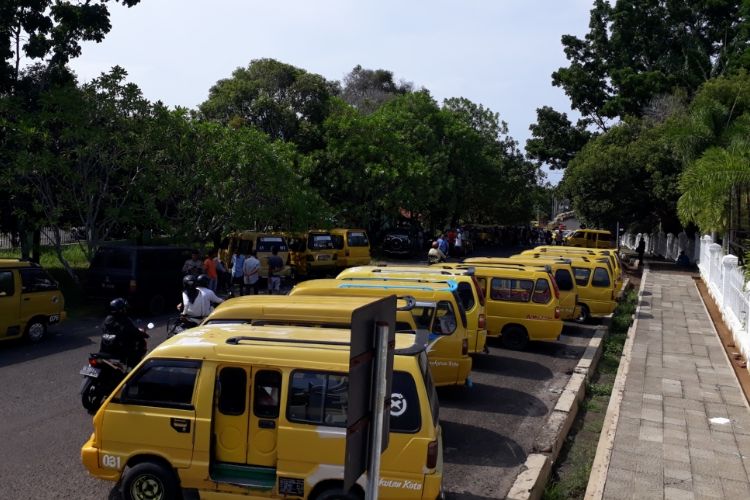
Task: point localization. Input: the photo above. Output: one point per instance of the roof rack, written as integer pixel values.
(452, 286)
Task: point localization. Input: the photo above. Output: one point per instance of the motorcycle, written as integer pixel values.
(104, 372)
(180, 324)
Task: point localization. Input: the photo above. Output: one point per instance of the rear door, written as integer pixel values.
(40, 295)
(246, 415)
(357, 248)
(110, 272)
(10, 297)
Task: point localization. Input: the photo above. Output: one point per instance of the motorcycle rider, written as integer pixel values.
(120, 337)
(197, 299)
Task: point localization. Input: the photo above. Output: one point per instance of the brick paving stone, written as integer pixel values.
(665, 446)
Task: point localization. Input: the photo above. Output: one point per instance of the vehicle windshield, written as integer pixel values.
(320, 242)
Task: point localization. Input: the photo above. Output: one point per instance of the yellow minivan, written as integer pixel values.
(610, 253)
(597, 289)
(561, 271)
(303, 310)
(352, 247)
(245, 411)
(312, 253)
(262, 243)
(448, 351)
(522, 304)
(472, 297)
(590, 238)
(591, 255)
(30, 300)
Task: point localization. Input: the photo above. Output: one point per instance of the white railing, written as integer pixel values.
(668, 246)
(723, 276)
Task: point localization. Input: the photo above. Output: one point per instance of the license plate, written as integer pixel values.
(324, 257)
(54, 318)
(90, 371)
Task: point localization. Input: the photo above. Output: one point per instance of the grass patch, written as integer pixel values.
(570, 476)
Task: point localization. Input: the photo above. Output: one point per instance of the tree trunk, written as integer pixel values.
(57, 245)
(36, 251)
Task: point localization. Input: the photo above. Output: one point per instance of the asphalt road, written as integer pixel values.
(488, 428)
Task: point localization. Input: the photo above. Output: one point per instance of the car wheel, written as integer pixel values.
(156, 305)
(149, 481)
(585, 315)
(515, 338)
(336, 493)
(36, 330)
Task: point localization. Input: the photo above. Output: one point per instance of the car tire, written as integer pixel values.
(585, 314)
(36, 330)
(149, 481)
(336, 493)
(515, 338)
(156, 304)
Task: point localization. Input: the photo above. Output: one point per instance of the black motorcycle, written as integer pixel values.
(180, 324)
(104, 372)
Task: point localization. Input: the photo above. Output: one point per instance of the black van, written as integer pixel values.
(150, 278)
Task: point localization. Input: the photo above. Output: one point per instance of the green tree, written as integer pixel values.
(368, 89)
(636, 50)
(554, 139)
(286, 102)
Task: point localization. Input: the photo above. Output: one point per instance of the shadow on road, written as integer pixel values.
(510, 367)
(471, 445)
(490, 399)
(20, 351)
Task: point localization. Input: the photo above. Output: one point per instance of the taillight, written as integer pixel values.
(482, 323)
(93, 361)
(464, 347)
(557, 312)
(432, 454)
(132, 286)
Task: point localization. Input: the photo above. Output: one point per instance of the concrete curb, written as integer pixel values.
(598, 476)
(530, 483)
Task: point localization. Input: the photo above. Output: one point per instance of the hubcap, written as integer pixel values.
(36, 332)
(147, 487)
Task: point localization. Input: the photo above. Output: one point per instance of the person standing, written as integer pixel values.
(458, 246)
(251, 270)
(275, 265)
(442, 242)
(193, 266)
(209, 265)
(641, 249)
(238, 272)
(222, 275)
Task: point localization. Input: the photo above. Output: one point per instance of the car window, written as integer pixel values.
(338, 241)
(445, 323)
(164, 383)
(7, 285)
(320, 242)
(403, 326)
(322, 398)
(542, 293)
(578, 234)
(266, 244)
(581, 275)
(113, 258)
(511, 289)
(231, 391)
(36, 280)
(357, 239)
(423, 316)
(466, 293)
(601, 277)
(564, 280)
(266, 394)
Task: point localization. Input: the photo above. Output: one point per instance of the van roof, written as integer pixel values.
(277, 345)
(302, 308)
(17, 263)
(435, 272)
(513, 271)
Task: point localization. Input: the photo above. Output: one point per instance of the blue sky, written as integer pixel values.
(499, 53)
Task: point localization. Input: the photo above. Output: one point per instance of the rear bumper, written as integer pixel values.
(90, 460)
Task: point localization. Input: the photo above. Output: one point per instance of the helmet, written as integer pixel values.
(188, 281)
(118, 306)
(203, 280)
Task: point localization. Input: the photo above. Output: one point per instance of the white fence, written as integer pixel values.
(723, 276)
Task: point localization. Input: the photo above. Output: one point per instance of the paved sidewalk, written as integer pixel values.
(684, 426)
